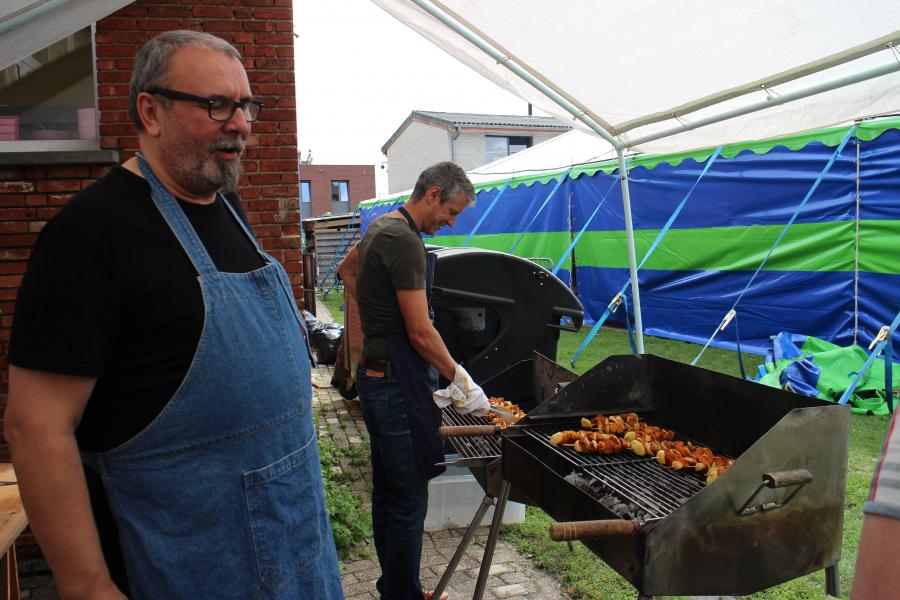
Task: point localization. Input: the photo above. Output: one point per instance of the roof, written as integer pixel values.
(692, 75)
(450, 120)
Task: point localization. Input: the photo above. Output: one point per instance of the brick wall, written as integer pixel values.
(262, 30)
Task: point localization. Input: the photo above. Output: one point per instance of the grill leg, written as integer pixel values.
(832, 580)
(463, 544)
(491, 541)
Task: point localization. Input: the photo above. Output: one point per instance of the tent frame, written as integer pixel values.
(581, 113)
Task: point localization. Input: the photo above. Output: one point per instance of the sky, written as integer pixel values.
(360, 72)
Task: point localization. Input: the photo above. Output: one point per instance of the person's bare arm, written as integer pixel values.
(42, 412)
(877, 576)
(422, 334)
(348, 268)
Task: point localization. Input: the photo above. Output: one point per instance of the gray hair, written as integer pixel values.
(151, 65)
(450, 178)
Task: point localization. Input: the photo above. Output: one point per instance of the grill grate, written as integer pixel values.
(486, 447)
(655, 489)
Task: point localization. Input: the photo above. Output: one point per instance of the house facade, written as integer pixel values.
(334, 189)
(470, 140)
(64, 116)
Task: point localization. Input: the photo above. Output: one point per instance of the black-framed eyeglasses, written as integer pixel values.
(219, 108)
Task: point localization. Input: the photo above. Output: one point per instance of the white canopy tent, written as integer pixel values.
(661, 77)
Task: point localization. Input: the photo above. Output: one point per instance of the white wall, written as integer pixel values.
(417, 147)
(421, 145)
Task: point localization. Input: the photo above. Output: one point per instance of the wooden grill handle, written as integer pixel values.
(587, 530)
(446, 431)
(780, 479)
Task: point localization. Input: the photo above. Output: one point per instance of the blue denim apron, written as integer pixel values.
(417, 380)
(221, 495)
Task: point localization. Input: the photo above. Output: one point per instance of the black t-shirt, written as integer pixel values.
(110, 293)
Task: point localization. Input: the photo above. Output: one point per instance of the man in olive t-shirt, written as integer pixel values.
(396, 376)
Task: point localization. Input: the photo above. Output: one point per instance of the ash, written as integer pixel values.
(606, 497)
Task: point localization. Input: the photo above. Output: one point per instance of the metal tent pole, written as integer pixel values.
(632, 260)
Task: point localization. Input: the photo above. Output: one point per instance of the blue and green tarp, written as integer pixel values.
(835, 276)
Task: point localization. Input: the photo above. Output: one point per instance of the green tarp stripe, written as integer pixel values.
(543, 245)
(806, 247)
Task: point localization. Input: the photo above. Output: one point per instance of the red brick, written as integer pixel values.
(13, 187)
(12, 199)
(74, 171)
(278, 165)
(169, 11)
(15, 241)
(280, 115)
(7, 281)
(59, 185)
(275, 38)
(58, 199)
(10, 173)
(272, 13)
(216, 12)
(47, 213)
(258, 26)
(36, 200)
(14, 254)
(113, 76)
(263, 126)
(115, 50)
(217, 26)
(13, 227)
(259, 50)
(263, 179)
(113, 104)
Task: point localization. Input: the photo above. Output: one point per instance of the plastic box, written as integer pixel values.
(453, 498)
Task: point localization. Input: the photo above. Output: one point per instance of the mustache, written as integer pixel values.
(228, 144)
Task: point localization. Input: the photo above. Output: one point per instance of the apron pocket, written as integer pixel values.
(285, 505)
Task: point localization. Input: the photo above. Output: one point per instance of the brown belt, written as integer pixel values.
(378, 366)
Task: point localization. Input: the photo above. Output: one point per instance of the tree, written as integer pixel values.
(309, 157)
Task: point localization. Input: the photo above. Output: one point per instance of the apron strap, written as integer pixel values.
(410, 221)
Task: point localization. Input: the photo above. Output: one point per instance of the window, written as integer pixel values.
(304, 192)
(49, 96)
(498, 146)
(340, 197)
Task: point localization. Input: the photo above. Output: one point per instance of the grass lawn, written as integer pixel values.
(584, 576)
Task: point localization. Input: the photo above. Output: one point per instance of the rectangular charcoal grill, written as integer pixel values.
(776, 514)
(632, 486)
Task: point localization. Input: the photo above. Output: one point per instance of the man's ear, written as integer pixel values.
(433, 194)
(148, 109)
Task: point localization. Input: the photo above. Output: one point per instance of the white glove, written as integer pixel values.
(466, 396)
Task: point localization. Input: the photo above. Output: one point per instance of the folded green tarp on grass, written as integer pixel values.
(814, 367)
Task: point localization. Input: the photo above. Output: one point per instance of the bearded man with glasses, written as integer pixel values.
(159, 410)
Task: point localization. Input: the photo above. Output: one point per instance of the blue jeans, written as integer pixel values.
(399, 489)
